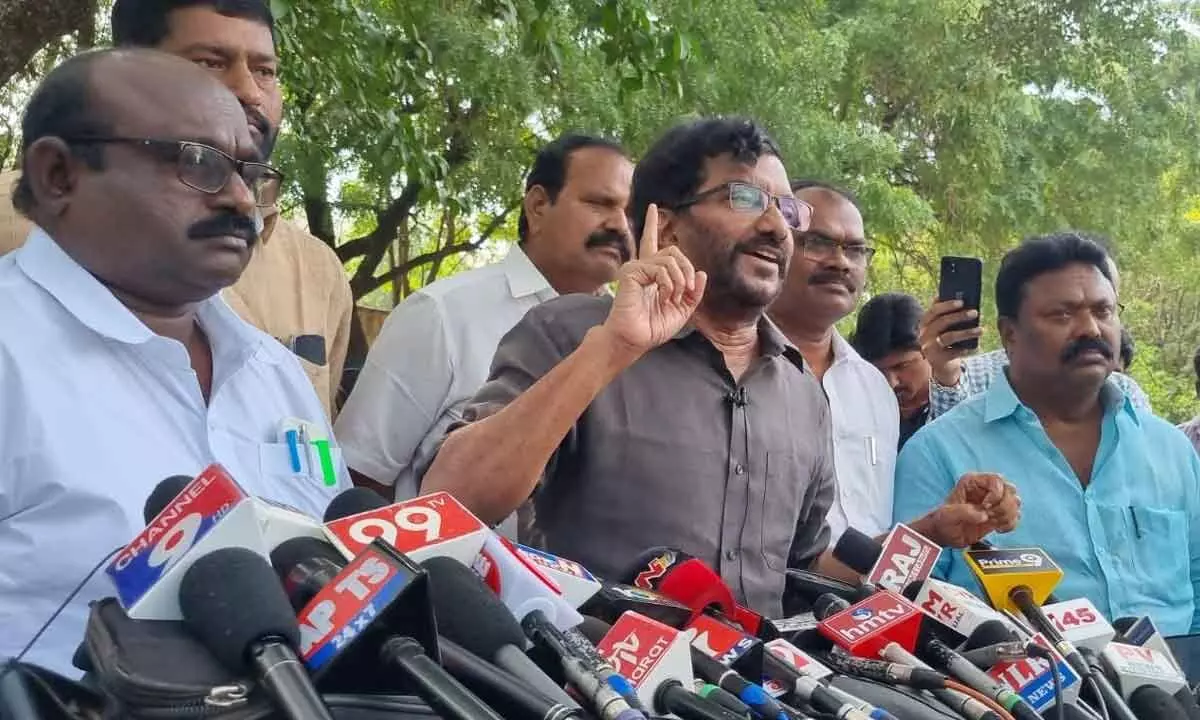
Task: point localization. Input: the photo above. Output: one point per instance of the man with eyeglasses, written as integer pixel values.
(1112, 493)
(674, 413)
(823, 286)
(295, 289)
(120, 365)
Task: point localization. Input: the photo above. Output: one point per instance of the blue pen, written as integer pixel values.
(293, 443)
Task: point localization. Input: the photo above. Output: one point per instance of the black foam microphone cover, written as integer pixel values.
(230, 599)
(352, 502)
(162, 494)
(857, 551)
(1151, 702)
(467, 611)
(594, 629)
(1187, 700)
(989, 632)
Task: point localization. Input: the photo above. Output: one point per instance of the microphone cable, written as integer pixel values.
(12, 663)
(973, 693)
(1060, 711)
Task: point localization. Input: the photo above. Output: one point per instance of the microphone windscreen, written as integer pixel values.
(828, 605)
(162, 494)
(1122, 625)
(989, 632)
(1152, 702)
(467, 611)
(913, 589)
(594, 629)
(652, 561)
(231, 598)
(857, 550)
(1187, 701)
(352, 502)
(290, 553)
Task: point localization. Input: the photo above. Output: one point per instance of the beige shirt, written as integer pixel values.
(295, 285)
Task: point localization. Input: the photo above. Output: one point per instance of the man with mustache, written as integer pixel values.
(674, 413)
(824, 284)
(295, 288)
(120, 365)
(1112, 492)
(434, 350)
(886, 335)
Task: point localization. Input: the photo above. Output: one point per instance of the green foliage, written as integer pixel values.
(962, 125)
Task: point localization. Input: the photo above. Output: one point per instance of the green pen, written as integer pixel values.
(326, 457)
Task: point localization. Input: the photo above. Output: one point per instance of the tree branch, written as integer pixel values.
(29, 25)
(440, 254)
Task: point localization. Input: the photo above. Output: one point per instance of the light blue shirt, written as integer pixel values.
(1129, 542)
(96, 410)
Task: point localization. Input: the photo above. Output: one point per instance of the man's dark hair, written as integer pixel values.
(549, 169)
(808, 183)
(1039, 255)
(62, 106)
(143, 23)
(673, 169)
(887, 323)
(1128, 350)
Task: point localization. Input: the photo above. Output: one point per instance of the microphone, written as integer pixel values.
(953, 607)
(520, 585)
(614, 599)
(500, 688)
(810, 586)
(727, 645)
(1032, 677)
(1142, 631)
(163, 493)
(231, 602)
(577, 584)
(692, 582)
(886, 626)
(800, 674)
(1080, 623)
(905, 556)
(421, 528)
(1135, 667)
(371, 617)
(959, 667)
(1019, 580)
(473, 617)
(657, 659)
(210, 512)
(1150, 703)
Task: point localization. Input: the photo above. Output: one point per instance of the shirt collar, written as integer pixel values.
(524, 278)
(772, 341)
(1001, 400)
(94, 305)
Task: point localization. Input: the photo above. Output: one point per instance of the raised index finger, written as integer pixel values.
(649, 243)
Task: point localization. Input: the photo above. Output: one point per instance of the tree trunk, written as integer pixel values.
(27, 26)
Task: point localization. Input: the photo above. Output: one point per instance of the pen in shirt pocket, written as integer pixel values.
(1137, 528)
(871, 450)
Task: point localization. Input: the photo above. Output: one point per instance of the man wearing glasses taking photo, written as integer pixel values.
(825, 281)
(120, 365)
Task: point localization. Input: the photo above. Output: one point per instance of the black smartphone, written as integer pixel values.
(962, 279)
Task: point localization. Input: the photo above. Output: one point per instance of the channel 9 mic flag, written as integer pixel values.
(211, 512)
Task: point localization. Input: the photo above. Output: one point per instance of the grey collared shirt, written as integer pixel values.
(676, 452)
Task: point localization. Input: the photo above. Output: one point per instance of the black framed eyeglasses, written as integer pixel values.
(815, 246)
(745, 197)
(203, 167)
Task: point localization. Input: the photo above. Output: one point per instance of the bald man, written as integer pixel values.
(295, 289)
(119, 363)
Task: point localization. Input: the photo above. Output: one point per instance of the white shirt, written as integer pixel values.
(866, 432)
(431, 357)
(96, 411)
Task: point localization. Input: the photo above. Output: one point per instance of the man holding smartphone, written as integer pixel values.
(958, 375)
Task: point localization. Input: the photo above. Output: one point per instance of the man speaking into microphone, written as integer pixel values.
(674, 413)
(1112, 492)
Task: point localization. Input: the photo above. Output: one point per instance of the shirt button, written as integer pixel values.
(731, 555)
(739, 470)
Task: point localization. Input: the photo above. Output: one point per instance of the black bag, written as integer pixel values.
(155, 670)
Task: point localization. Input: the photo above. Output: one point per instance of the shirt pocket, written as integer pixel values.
(783, 494)
(1150, 546)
